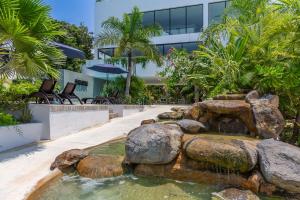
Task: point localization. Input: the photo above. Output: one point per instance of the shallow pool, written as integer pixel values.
(128, 187)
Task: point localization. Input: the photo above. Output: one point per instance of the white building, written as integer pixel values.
(182, 22)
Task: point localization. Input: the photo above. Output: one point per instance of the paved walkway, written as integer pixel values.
(21, 170)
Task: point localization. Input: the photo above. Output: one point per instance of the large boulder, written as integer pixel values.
(68, 159)
(170, 116)
(214, 109)
(194, 112)
(192, 126)
(185, 169)
(252, 95)
(268, 119)
(223, 152)
(102, 166)
(153, 144)
(234, 194)
(280, 164)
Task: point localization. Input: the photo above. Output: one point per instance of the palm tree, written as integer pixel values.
(26, 32)
(130, 36)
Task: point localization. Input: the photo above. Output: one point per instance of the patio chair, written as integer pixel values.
(46, 93)
(68, 93)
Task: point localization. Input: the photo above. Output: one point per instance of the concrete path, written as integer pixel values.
(20, 170)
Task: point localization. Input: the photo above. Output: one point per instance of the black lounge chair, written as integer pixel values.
(68, 93)
(114, 99)
(46, 93)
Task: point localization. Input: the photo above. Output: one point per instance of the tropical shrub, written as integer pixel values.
(257, 46)
(7, 120)
(77, 37)
(138, 93)
(12, 98)
(26, 33)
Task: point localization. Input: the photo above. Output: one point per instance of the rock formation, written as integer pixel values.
(102, 166)
(192, 126)
(68, 158)
(280, 164)
(153, 144)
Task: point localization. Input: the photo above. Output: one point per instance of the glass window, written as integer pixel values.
(170, 46)
(148, 18)
(163, 19)
(108, 51)
(189, 47)
(194, 19)
(215, 12)
(178, 21)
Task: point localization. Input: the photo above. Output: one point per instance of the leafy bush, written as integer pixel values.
(138, 90)
(12, 98)
(7, 120)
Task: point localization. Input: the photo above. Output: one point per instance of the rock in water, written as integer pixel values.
(153, 144)
(68, 158)
(280, 164)
(185, 169)
(100, 166)
(170, 115)
(234, 155)
(268, 119)
(148, 121)
(191, 126)
(234, 194)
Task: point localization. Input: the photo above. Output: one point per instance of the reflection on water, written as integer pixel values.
(127, 187)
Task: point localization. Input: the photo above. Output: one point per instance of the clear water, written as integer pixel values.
(128, 187)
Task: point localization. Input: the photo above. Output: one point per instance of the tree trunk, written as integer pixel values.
(128, 80)
(197, 95)
(296, 132)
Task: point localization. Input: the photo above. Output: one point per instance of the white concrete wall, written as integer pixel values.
(126, 110)
(19, 135)
(62, 120)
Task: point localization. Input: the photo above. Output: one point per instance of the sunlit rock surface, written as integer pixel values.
(280, 164)
(232, 154)
(153, 144)
(101, 166)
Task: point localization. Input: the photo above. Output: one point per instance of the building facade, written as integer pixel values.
(182, 22)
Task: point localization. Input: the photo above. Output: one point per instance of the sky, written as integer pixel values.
(73, 11)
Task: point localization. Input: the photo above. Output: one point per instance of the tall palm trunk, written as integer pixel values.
(128, 80)
(296, 132)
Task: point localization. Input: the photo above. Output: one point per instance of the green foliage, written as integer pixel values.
(12, 98)
(77, 37)
(26, 32)
(138, 93)
(130, 36)
(6, 119)
(256, 47)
